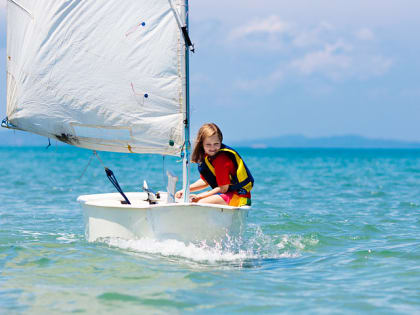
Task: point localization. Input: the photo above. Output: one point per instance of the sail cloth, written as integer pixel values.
(99, 74)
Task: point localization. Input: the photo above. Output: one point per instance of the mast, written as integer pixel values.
(187, 144)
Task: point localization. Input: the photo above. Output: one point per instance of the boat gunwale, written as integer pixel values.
(94, 203)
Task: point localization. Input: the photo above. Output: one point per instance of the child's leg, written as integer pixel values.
(215, 199)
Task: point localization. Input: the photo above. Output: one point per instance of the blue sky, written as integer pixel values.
(318, 68)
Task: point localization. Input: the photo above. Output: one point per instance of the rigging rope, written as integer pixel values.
(90, 160)
(114, 182)
(99, 159)
(110, 176)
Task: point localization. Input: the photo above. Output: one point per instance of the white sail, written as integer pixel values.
(99, 74)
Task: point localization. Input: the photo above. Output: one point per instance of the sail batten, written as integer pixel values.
(103, 75)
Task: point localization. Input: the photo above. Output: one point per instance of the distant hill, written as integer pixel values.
(345, 141)
(20, 138)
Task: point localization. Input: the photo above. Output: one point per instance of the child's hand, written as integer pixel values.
(179, 194)
(194, 198)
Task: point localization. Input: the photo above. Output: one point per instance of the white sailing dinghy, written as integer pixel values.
(113, 76)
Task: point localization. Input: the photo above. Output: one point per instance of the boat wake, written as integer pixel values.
(172, 248)
(239, 250)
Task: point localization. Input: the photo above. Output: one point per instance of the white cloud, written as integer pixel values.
(377, 65)
(332, 60)
(322, 50)
(344, 14)
(337, 61)
(341, 61)
(313, 36)
(365, 34)
(265, 83)
(270, 25)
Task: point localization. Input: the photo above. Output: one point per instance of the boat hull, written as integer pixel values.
(105, 216)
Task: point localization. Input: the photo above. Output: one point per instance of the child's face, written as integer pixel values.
(211, 145)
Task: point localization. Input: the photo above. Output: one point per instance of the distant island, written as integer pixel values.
(344, 141)
(20, 138)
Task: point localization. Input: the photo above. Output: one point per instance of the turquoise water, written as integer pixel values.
(330, 231)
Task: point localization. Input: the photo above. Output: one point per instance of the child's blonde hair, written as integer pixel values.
(206, 130)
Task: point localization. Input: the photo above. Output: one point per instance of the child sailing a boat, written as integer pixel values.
(221, 168)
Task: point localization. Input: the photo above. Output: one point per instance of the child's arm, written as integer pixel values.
(218, 190)
(198, 185)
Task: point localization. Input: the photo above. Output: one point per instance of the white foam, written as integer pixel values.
(297, 242)
(196, 252)
(258, 247)
(66, 238)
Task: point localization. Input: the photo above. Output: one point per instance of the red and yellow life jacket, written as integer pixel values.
(241, 183)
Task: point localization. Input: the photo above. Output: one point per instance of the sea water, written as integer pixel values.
(330, 231)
